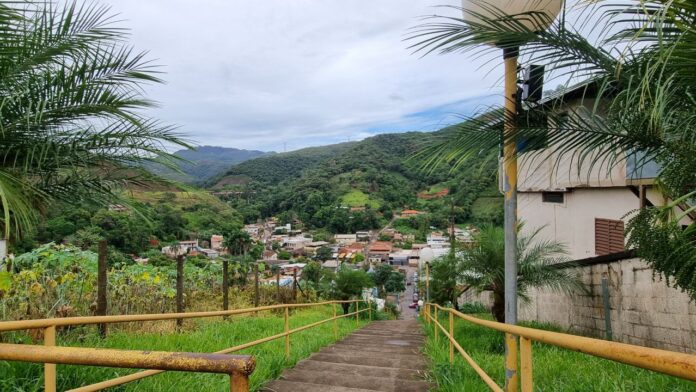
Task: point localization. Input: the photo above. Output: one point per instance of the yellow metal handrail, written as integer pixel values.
(667, 362)
(133, 359)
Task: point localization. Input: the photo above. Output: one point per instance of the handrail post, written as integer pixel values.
(369, 310)
(50, 368)
(335, 322)
(287, 332)
(239, 382)
(451, 337)
(435, 327)
(526, 364)
(357, 313)
(512, 379)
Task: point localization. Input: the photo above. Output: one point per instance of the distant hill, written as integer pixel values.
(378, 174)
(205, 162)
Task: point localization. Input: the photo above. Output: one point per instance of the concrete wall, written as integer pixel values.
(644, 311)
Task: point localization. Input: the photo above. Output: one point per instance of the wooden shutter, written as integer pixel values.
(609, 236)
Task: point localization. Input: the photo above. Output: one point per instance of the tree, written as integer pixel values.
(71, 115)
(284, 255)
(446, 277)
(395, 282)
(324, 253)
(312, 272)
(482, 267)
(350, 284)
(380, 276)
(641, 66)
(237, 243)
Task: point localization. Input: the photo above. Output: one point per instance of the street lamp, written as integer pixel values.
(535, 16)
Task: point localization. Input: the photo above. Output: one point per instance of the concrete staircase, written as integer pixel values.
(383, 356)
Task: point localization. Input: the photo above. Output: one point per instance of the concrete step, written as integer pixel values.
(386, 384)
(403, 336)
(359, 370)
(294, 386)
(395, 362)
(394, 342)
(382, 332)
(368, 347)
(347, 350)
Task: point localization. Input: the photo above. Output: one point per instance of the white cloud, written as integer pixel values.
(258, 74)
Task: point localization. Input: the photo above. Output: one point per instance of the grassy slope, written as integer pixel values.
(208, 336)
(357, 198)
(555, 369)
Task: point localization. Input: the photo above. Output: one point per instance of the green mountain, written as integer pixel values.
(205, 162)
(360, 185)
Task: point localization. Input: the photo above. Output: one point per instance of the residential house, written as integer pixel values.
(435, 240)
(253, 230)
(345, 239)
(269, 255)
(379, 251)
(296, 243)
(311, 247)
(399, 257)
(216, 242)
(410, 213)
(332, 264)
(362, 235)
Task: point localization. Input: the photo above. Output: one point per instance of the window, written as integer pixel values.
(552, 197)
(609, 236)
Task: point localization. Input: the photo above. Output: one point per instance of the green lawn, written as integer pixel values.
(208, 336)
(555, 369)
(357, 198)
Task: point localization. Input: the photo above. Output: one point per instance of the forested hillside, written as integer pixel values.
(204, 162)
(360, 185)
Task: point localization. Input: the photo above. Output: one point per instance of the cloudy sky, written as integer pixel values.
(286, 74)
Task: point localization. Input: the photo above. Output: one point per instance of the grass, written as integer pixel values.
(555, 369)
(207, 336)
(357, 198)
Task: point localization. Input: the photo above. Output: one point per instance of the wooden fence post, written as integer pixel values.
(102, 285)
(179, 289)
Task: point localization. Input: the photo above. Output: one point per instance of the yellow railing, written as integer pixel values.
(662, 361)
(239, 367)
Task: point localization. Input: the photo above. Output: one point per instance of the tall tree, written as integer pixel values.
(237, 243)
(71, 113)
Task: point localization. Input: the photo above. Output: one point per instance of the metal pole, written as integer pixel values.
(526, 364)
(335, 322)
(287, 333)
(510, 207)
(50, 368)
(357, 313)
(239, 382)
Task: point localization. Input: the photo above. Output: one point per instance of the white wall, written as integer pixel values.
(572, 222)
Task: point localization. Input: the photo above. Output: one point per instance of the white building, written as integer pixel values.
(345, 239)
(437, 241)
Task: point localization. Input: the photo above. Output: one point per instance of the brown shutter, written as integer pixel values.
(609, 236)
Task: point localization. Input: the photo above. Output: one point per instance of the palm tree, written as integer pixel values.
(639, 60)
(237, 243)
(72, 127)
(482, 267)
